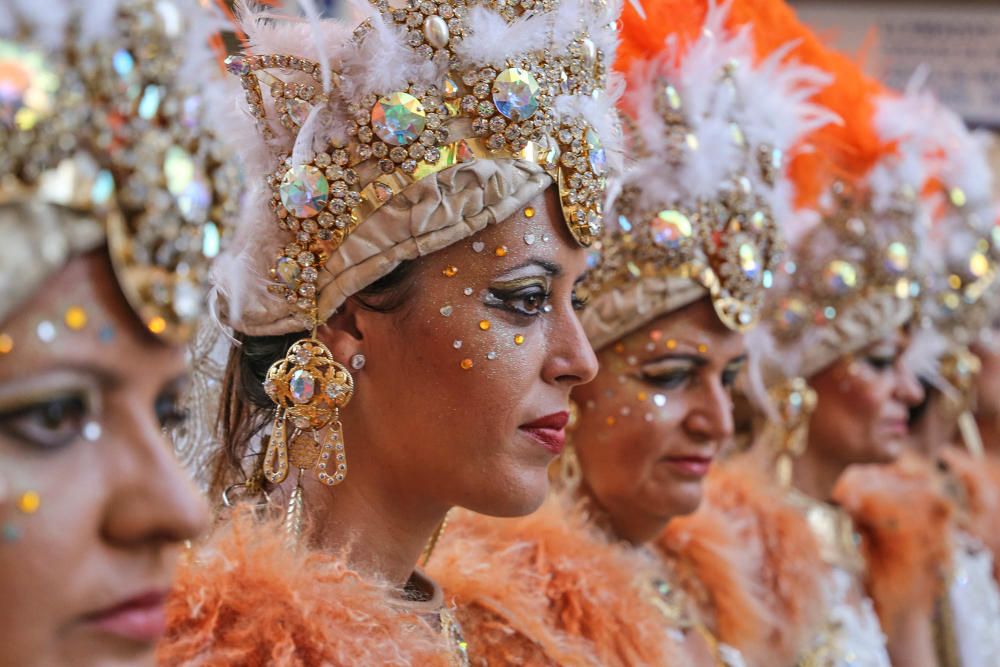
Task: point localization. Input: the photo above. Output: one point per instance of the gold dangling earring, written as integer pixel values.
(795, 401)
(960, 367)
(308, 388)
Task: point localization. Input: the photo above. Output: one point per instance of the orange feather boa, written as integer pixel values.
(548, 589)
(759, 563)
(245, 599)
(905, 520)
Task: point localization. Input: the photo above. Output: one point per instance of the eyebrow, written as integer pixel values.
(695, 359)
(550, 267)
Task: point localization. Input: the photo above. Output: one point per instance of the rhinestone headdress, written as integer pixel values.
(857, 269)
(352, 119)
(102, 112)
(709, 126)
(965, 240)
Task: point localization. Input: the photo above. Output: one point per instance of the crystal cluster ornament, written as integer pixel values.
(841, 262)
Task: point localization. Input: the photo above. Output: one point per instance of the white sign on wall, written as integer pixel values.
(959, 42)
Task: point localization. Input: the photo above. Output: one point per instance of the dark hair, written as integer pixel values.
(246, 409)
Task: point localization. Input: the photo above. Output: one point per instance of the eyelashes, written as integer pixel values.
(676, 377)
(528, 301)
(48, 424)
(56, 422)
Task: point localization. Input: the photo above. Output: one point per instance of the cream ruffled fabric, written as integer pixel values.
(426, 217)
(616, 313)
(854, 328)
(38, 240)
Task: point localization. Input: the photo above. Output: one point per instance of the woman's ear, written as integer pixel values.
(341, 334)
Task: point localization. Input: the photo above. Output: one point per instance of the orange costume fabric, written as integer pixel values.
(905, 521)
(758, 562)
(980, 479)
(548, 589)
(243, 598)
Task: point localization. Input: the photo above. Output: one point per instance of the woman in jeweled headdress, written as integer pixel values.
(403, 291)
(836, 336)
(946, 458)
(691, 242)
(114, 196)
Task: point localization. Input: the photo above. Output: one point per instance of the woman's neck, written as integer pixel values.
(635, 529)
(816, 475)
(381, 531)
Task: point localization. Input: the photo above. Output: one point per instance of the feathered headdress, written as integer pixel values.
(855, 267)
(386, 140)
(710, 126)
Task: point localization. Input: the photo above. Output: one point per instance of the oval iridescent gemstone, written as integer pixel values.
(398, 119)
(289, 272)
(304, 191)
(595, 152)
(749, 263)
(792, 313)
(840, 276)
(302, 386)
(670, 228)
(897, 258)
(187, 184)
(516, 93)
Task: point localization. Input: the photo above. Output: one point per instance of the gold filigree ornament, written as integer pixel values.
(854, 255)
(308, 388)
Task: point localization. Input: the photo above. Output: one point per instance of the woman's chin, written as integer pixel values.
(512, 495)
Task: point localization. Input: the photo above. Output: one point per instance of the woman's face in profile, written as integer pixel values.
(93, 506)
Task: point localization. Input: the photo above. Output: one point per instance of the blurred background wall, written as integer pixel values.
(958, 40)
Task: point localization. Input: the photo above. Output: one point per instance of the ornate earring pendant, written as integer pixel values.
(795, 401)
(308, 388)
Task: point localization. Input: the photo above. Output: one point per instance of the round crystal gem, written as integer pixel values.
(187, 184)
(897, 258)
(304, 191)
(596, 153)
(398, 119)
(791, 313)
(289, 272)
(302, 386)
(27, 86)
(670, 228)
(840, 276)
(516, 93)
(979, 264)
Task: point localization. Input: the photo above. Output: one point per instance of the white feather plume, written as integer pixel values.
(769, 101)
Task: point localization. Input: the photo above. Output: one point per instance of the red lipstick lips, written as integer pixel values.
(141, 618)
(549, 431)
